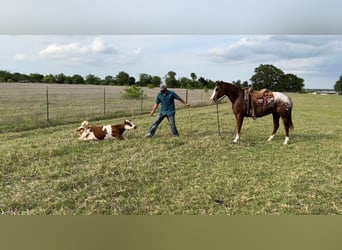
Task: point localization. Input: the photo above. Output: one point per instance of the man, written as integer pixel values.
(168, 110)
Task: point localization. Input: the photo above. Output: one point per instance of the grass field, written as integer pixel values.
(49, 171)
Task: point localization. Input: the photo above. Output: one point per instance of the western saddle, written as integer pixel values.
(254, 99)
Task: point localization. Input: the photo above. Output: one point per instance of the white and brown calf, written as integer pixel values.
(87, 132)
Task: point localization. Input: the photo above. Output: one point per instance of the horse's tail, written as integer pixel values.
(290, 120)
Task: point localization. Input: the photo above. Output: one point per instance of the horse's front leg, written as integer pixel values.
(239, 121)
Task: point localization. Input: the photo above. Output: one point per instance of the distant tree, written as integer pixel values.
(269, 76)
(195, 83)
(131, 81)
(185, 83)
(60, 78)
(156, 81)
(193, 77)
(122, 78)
(5, 75)
(108, 80)
(291, 83)
(77, 79)
(68, 80)
(266, 76)
(202, 83)
(35, 77)
(145, 80)
(18, 77)
(170, 79)
(49, 79)
(92, 79)
(338, 85)
(244, 84)
(237, 83)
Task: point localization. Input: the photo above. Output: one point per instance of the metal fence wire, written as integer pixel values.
(36, 105)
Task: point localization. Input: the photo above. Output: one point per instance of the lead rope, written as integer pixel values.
(218, 121)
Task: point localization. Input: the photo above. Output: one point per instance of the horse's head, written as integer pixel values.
(218, 93)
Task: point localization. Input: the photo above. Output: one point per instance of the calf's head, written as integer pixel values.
(83, 128)
(129, 125)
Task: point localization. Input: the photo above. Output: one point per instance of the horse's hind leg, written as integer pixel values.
(276, 118)
(239, 121)
(287, 125)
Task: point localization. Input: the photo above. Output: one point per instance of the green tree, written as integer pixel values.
(266, 76)
(244, 84)
(122, 78)
(36, 77)
(185, 82)
(203, 83)
(269, 76)
(77, 79)
(49, 79)
(237, 83)
(60, 78)
(195, 83)
(338, 85)
(68, 80)
(156, 81)
(5, 75)
(92, 79)
(170, 79)
(133, 92)
(145, 80)
(291, 83)
(193, 77)
(131, 81)
(109, 80)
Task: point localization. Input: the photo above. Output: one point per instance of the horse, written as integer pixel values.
(249, 103)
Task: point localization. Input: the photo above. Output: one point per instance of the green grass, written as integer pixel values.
(49, 171)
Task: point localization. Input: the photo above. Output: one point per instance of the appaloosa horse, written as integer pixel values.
(249, 103)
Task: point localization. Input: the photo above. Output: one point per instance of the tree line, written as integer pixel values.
(265, 76)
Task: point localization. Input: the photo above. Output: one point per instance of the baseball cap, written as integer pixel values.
(163, 86)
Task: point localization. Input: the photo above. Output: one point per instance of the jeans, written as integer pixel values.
(161, 117)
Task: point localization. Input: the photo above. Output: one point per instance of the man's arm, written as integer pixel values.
(154, 109)
(182, 101)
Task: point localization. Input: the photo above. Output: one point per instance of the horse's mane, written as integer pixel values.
(223, 82)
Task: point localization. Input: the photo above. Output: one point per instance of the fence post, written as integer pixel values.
(104, 101)
(47, 104)
(141, 100)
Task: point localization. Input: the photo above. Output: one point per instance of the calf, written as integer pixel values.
(87, 132)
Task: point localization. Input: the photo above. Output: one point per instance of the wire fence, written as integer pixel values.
(25, 106)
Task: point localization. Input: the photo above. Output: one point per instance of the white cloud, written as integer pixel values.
(20, 57)
(77, 52)
(293, 54)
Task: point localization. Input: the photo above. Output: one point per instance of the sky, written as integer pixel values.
(217, 39)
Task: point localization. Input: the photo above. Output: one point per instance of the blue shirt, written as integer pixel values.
(167, 102)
